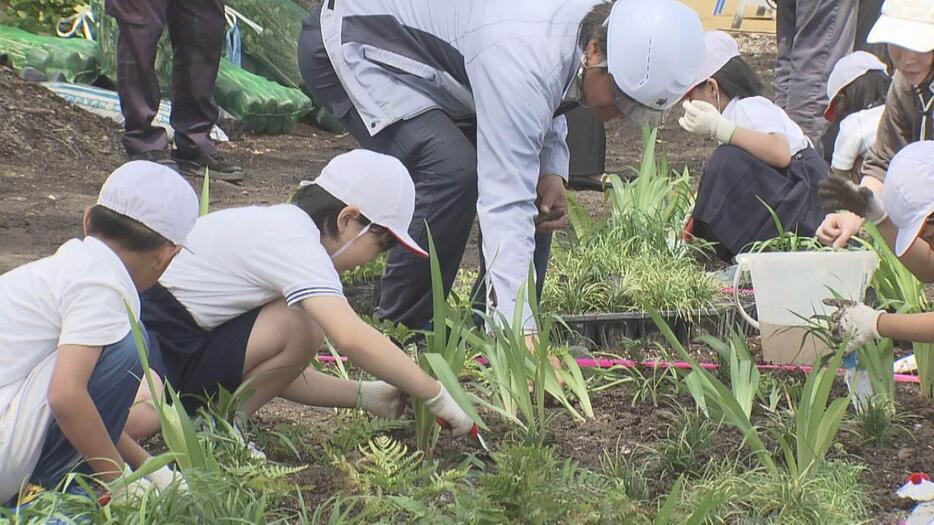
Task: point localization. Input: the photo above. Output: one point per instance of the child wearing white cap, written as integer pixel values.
(260, 290)
(69, 367)
(856, 90)
(764, 159)
(907, 27)
(905, 217)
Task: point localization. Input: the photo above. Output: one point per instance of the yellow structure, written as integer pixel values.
(753, 17)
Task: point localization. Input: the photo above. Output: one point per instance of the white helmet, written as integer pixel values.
(654, 50)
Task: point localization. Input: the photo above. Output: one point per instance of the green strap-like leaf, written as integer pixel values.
(442, 371)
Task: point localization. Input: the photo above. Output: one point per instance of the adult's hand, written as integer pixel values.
(837, 228)
(552, 204)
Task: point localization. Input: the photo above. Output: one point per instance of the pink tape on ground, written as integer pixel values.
(629, 363)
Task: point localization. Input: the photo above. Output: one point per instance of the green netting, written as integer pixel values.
(262, 105)
(75, 59)
(275, 51)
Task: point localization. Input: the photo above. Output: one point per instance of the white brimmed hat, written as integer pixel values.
(719, 48)
(908, 192)
(845, 71)
(905, 23)
(153, 195)
(377, 184)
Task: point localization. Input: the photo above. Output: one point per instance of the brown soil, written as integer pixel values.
(53, 159)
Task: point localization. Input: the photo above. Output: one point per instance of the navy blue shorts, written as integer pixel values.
(194, 361)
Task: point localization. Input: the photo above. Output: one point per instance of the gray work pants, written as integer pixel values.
(812, 35)
(196, 28)
(441, 157)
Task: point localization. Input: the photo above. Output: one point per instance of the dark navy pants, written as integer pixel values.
(441, 156)
(737, 190)
(112, 388)
(196, 28)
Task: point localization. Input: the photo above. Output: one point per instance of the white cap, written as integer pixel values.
(905, 23)
(654, 48)
(908, 192)
(377, 184)
(719, 48)
(845, 71)
(153, 195)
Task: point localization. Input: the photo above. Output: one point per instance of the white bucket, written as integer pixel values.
(792, 285)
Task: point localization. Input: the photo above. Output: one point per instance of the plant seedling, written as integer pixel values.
(443, 360)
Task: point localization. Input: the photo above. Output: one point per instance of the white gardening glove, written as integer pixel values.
(124, 491)
(840, 193)
(381, 399)
(444, 407)
(164, 477)
(702, 118)
(854, 320)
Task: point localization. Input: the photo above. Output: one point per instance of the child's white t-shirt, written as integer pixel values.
(243, 258)
(74, 297)
(762, 115)
(857, 133)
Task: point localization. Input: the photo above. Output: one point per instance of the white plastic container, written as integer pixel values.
(792, 285)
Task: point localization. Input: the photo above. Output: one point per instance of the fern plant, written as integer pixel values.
(385, 467)
(352, 429)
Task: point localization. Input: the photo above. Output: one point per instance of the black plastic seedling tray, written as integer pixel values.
(611, 330)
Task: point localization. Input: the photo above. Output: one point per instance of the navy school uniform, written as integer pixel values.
(736, 186)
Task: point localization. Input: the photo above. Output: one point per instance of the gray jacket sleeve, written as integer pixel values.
(555, 157)
(518, 139)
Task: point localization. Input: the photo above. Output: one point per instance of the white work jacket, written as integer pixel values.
(509, 64)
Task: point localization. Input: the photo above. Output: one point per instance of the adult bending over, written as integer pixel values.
(469, 95)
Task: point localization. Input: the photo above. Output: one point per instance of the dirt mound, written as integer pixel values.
(38, 128)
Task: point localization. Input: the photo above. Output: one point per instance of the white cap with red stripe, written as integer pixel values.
(845, 71)
(380, 186)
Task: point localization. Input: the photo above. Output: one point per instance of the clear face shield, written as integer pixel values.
(631, 110)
